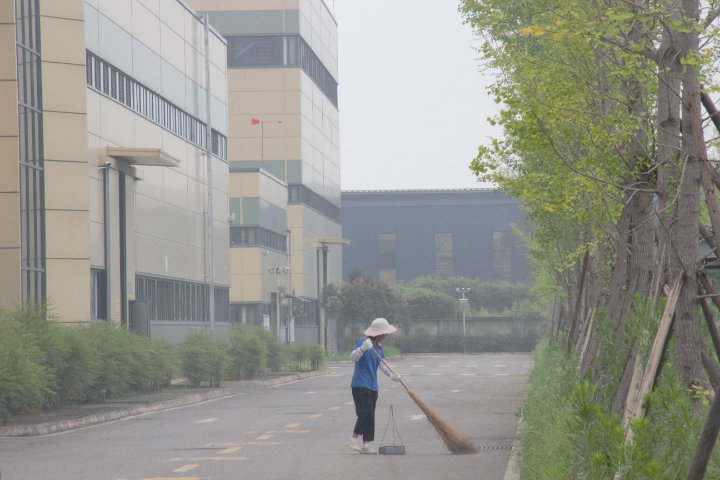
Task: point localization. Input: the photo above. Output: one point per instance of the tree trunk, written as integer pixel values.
(684, 231)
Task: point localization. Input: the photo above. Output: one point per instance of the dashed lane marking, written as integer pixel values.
(316, 415)
(468, 374)
(349, 403)
(455, 391)
(475, 366)
(431, 374)
(197, 459)
(334, 367)
(333, 408)
(417, 366)
(230, 450)
(263, 437)
(186, 468)
(308, 393)
(292, 425)
(501, 374)
(207, 420)
(416, 417)
(446, 365)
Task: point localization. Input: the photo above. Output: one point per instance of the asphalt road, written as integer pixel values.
(298, 431)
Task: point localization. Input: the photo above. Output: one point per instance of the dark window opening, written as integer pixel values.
(443, 255)
(502, 256)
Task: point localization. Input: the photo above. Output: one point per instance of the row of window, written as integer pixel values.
(31, 181)
(444, 265)
(172, 300)
(257, 236)
(300, 194)
(281, 51)
(117, 85)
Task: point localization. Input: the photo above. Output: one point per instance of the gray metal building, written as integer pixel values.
(399, 235)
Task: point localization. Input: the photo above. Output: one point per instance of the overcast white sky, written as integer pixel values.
(413, 104)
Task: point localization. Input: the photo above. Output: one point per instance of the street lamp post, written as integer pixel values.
(463, 307)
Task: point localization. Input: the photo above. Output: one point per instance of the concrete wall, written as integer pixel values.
(175, 332)
(474, 326)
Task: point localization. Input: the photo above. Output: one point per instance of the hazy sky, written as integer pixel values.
(413, 104)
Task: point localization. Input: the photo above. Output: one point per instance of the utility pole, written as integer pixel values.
(463, 307)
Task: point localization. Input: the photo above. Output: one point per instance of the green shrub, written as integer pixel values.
(427, 303)
(248, 352)
(276, 351)
(202, 359)
(164, 361)
(316, 355)
(300, 353)
(23, 380)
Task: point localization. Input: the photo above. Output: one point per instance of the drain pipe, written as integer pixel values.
(208, 154)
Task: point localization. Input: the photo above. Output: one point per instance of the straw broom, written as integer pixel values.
(455, 440)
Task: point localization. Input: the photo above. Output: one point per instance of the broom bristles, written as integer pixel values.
(454, 439)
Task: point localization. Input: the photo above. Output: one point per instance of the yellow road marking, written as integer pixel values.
(292, 425)
(173, 478)
(250, 432)
(333, 408)
(317, 415)
(230, 450)
(197, 459)
(349, 403)
(287, 431)
(244, 443)
(185, 468)
(263, 437)
(458, 361)
(394, 386)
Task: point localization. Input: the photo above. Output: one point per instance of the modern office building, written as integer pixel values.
(399, 235)
(284, 134)
(103, 167)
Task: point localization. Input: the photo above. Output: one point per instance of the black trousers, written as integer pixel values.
(365, 400)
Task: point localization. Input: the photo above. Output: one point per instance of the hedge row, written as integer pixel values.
(455, 343)
(241, 354)
(47, 365)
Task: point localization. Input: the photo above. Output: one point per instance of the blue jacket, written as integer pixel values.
(366, 368)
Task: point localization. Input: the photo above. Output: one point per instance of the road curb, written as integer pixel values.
(276, 381)
(511, 472)
(90, 420)
(75, 423)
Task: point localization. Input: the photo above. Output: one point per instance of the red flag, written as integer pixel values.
(254, 121)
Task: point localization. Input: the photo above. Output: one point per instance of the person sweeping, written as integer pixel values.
(364, 383)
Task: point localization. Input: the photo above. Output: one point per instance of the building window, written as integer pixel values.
(387, 261)
(30, 142)
(257, 236)
(443, 255)
(174, 300)
(281, 51)
(98, 307)
(502, 255)
(300, 194)
(107, 79)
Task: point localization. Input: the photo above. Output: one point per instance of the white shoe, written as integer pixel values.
(354, 445)
(368, 450)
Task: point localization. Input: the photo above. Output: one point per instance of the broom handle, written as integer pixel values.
(389, 368)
